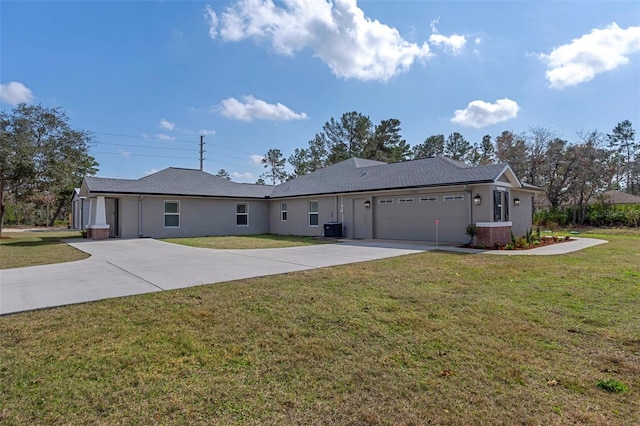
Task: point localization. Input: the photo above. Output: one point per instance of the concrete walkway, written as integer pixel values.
(119, 268)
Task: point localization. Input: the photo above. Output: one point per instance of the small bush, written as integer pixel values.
(611, 385)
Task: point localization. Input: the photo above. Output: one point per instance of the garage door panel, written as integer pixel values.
(416, 220)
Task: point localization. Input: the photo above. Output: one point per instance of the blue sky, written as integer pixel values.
(149, 77)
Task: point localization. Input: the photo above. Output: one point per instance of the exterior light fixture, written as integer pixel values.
(477, 200)
(516, 201)
(367, 204)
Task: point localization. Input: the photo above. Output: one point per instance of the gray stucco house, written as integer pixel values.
(410, 200)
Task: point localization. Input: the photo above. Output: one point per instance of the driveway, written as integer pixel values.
(119, 268)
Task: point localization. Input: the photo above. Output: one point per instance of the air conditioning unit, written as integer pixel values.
(333, 230)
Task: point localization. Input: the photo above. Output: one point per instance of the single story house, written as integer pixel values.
(429, 199)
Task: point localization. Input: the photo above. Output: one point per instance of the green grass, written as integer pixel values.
(18, 249)
(431, 338)
(249, 241)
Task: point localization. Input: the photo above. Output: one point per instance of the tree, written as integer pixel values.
(623, 143)
(274, 163)
(431, 147)
(40, 153)
(556, 171)
(386, 143)
(512, 149)
(457, 147)
(223, 174)
(260, 181)
(346, 137)
(593, 170)
(541, 140)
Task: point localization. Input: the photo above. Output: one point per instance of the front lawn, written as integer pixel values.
(431, 338)
(249, 241)
(18, 249)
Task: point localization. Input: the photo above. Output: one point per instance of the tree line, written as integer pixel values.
(569, 172)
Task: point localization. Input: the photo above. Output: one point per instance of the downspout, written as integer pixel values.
(140, 216)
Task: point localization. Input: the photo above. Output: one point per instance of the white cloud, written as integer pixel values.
(454, 43)
(125, 154)
(150, 172)
(167, 125)
(256, 159)
(206, 132)
(163, 137)
(480, 113)
(253, 108)
(594, 53)
(245, 175)
(350, 43)
(15, 93)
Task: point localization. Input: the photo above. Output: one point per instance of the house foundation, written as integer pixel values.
(493, 233)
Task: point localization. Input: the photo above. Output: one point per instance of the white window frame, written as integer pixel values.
(315, 213)
(457, 197)
(284, 212)
(406, 200)
(429, 199)
(164, 222)
(245, 214)
(385, 201)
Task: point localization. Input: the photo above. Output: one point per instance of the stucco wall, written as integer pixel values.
(298, 215)
(521, 215)
(198, 217)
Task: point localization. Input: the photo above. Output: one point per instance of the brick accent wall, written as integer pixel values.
(488, 236)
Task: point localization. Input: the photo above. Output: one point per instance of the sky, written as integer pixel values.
(147, 78)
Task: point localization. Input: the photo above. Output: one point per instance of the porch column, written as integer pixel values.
(98, 229)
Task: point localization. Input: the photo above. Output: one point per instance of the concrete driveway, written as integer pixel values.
(126, 267)
(119, 268)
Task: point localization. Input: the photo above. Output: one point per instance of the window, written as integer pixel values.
(385, 201)
(429, 199)
(172, 214)
(283, 212)
(242, 214)
(406, 200)
(313, 213)
(453, 198)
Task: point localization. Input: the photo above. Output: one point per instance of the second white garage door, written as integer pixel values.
(413, 217)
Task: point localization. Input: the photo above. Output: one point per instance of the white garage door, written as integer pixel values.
(413, 217)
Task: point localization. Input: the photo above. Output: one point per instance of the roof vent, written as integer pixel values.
(363, 173)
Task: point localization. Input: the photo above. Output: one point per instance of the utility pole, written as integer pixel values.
(201, 152)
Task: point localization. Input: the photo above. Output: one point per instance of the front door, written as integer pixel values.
(111, 207)
(360, 225)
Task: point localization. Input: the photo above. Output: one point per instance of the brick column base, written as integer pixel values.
(488, 236)
(101, 233)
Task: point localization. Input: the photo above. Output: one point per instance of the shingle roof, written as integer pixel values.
(354, 176)
(619, 197)
(176, 181)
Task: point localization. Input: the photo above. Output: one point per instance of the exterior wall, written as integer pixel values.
(198, 217)
(522, 215)
(483, 212)
(298, 215)
(79, 213)
(128, 217)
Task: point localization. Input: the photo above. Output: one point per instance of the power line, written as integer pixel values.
(167, 149)
(169, 140)
(180, 158)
